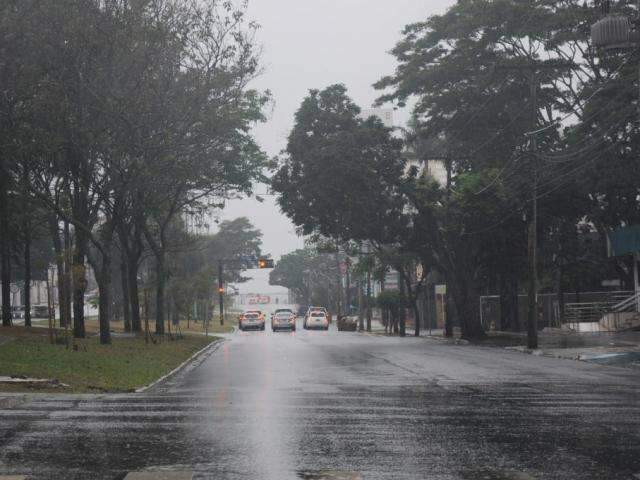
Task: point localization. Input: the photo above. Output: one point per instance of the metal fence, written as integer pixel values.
(579, 307)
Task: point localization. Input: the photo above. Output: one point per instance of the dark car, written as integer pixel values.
(347, 323)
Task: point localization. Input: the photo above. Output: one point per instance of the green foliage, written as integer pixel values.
(390, 300)
(338, 177)
(312, 277)
(194, 270)
(125, 116)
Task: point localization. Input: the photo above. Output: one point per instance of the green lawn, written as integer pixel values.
(126, 364)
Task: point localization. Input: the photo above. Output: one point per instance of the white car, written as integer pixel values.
(316, 320)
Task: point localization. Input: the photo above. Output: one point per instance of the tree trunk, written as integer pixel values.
(27, 271)
(26, 226)
(79, 284)
(448, 311)
(413, 301)
(403, 310)
(160, 290)
(509, 318)
(360, 307)
(134, 298)
(416, 314)
(465, 297)
(65, 299)
(104, 311)
(126, 303)
(57, 247)
(5, 258)
(560, 296)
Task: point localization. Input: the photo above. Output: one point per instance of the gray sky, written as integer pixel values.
(312, 44)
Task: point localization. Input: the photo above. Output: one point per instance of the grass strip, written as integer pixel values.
(123, 366)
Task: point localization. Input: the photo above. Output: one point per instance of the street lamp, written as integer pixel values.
(613, 32)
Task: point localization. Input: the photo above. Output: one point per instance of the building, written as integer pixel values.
(384, 114)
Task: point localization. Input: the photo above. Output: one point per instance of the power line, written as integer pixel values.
(493, 181)
(596, 92)
(558, 158)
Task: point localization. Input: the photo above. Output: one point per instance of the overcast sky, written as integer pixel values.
(312, 44)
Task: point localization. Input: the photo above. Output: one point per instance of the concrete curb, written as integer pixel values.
(435, 338)
(189, 360)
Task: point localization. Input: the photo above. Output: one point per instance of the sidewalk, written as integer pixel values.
(606, 348)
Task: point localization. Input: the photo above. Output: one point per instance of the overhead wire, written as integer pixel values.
(555, 158)
(518, 208)
(604, 138)
(597, 128)
(512, 161)
(596, 92)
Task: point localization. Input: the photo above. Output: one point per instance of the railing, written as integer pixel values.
(628, 304)
(586, 311)
(609, 315)
(579, 307)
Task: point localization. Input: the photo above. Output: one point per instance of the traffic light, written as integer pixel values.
(221, 290)
(265, 262)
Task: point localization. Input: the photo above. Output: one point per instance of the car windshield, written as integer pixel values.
(251, 316)
(317, 314)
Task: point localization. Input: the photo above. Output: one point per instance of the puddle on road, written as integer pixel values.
(328, 475)
(614, 358)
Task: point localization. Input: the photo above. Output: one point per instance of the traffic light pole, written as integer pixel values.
(221, 291)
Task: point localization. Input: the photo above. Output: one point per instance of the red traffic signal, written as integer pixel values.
(265, 263)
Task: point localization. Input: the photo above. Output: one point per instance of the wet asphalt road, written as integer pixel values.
(274, 406)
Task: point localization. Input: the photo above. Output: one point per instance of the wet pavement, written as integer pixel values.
(329, 405)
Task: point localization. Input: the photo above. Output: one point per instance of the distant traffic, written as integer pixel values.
(285, 318)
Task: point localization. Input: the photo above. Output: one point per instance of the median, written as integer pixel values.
(85, 366)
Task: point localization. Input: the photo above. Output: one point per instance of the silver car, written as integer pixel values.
(283, 320)
(253, 320)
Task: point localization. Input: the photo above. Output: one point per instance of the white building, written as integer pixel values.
(384, 114)
(258, 294)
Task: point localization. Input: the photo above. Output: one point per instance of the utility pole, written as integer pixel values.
(532, 234)
(347, 262)
(221, 291)
(368, 299)
(339, 285)
(403, 310)
(532, 317)
(360, 306)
